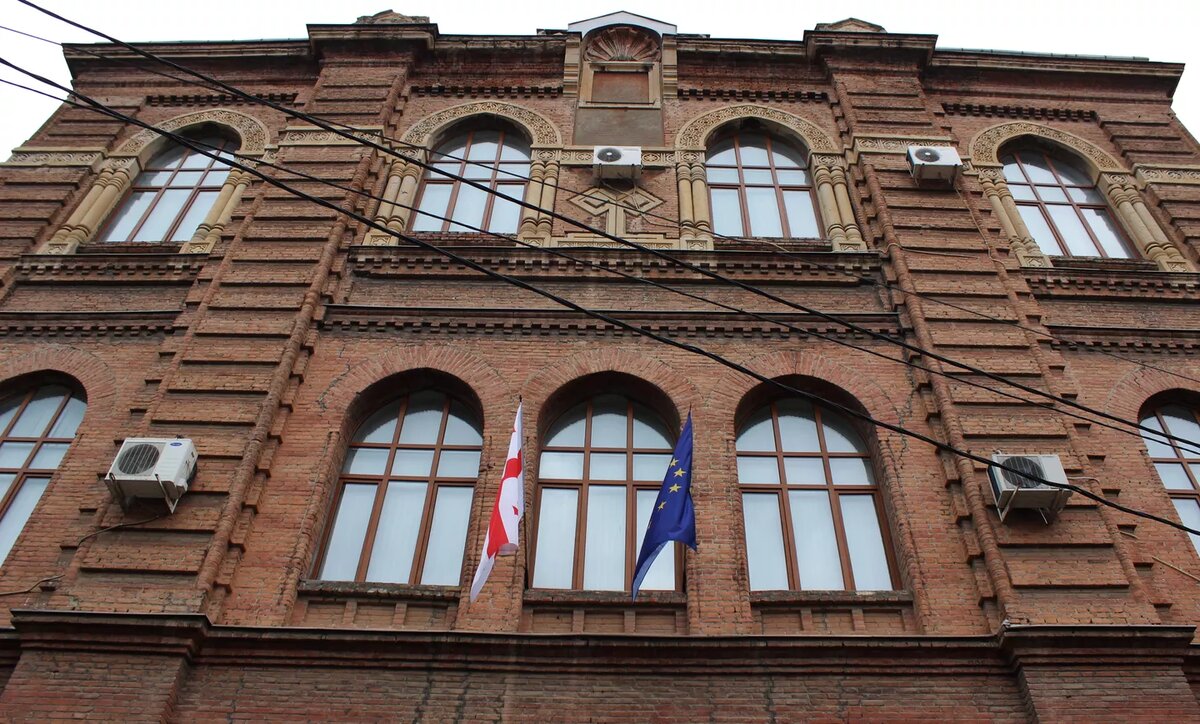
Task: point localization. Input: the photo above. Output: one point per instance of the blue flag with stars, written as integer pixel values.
(673, 517)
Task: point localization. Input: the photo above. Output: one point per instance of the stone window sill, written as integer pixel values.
(604, 598)
(383, 591)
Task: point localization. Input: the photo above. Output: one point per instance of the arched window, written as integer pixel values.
(760, 186)
(813, 516)
(171, 196)
(1178, 465)
(496, 158)
(404, 497)
(1062, 208)
(38, 426)
(600, 470)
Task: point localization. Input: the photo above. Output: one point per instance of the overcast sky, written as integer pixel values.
(1165, 30)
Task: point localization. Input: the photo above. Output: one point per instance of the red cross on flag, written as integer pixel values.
(504, 528)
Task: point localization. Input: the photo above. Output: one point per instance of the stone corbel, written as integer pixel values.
(1005, 208)
(116, 176)
(1124, 196)
(833, 198)
(399, 193)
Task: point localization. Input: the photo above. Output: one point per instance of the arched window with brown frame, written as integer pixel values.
(1064, 211)
(492, 155)
(760, 186)
(403, 500)
(1177, 463)
(813, 514)
(37, 427)
(171, 196)
(601, 466)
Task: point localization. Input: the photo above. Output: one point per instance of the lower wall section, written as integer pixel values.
(182, 668)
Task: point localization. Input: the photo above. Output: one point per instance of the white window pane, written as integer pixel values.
(484, 146)
(49, 455)
(1157, 447)
(14, 454)
(1070, 228)
(1070, 174)
(455, 147)
(478, 171)
(758, 434)
(850, 471)
(68, 420)
(650, 467)
(757, 470)
(840, 436)
(764, 542)
(458, 464)
(128, 216)
(568, 430)
(379, 427)
(412, 463)
(349, 530)
(661, 576)
(648, 430)
(721, 154)
(802, 217)
(784, 156)
(561, 466)
(461, 428)
(1182, 424)
(604, 548)
(186, 179)
(1087, 195)
(18, 512)
(867, 556)
(365, 461)
(469, 208)
(422, 419)
(1189, 513)
(758, 176)
(163, 215)
(1039, 230)
(607, 466)
(506, 215)
(797, 427)
(763, 208)
(10, 408)
(195, 214)
(1037, 168)
(169, 158)
(1022, 192)
(556, 538)
(6, 480)
(722, 175)
(216, 177)
(727, 212)
(1173, 476)
(434, 199)
(804, 471)
(447, 537)
(396, 534)
(753, 150)
(1052, 194)
(152, 178)
(514, 149)
(1012, 172)
(609, 422)
(816, 543)
(195, 159)
(797, 177)
(40, 411)
(1105, 229)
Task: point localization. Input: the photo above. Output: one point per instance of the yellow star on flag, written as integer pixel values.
(674, 462)
(674, 488)
(680, 473)
(662, 505)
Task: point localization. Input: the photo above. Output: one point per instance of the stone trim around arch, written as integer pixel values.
(825, 160)
(1118, 184)
(403, 177)
(123, 165)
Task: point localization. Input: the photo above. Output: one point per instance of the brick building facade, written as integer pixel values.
(292, 344)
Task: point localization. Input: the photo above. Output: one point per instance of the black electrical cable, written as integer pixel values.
(693, 349)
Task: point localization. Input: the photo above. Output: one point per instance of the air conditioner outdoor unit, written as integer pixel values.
(933, 163)
(147, 467)
(1021, 486)
(617, 161)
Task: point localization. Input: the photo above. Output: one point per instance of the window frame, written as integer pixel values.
(203, 185)
(581, 487)
(433, 481)
(1180, 458)
(1037, 202)
(494, 182)
(832, 489)
(740, 187)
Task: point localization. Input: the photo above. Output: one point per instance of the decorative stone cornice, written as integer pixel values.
(760, 96)
(1183, 175)
(216, 99)
(475, 91)
(55, 156)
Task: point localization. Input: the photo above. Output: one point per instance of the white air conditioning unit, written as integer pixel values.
(617, 161)
(933, 163)
(148, 467)
(1021, 486)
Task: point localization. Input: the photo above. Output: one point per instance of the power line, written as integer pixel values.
(693, 349)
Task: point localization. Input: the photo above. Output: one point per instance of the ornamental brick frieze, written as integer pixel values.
(998, 111)
(54, 324)
(1140, 285)
(299, 136)
(54, 156)
(109, 268)
(474, 91)
(760, 96)
(1140, 339)
(1183, 175)
(216, 99)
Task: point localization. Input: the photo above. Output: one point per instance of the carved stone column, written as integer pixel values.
(695, 215)
(1005, 208)
(208, 233)
(395, 211)
(833, 198)
(116, 176)
(1124, 196)
(540, 191)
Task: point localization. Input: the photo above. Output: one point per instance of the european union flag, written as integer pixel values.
(673, 517)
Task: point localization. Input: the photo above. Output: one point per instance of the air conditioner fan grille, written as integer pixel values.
(138, 458)
(928, 155)
(608, 155)
(1028, 475)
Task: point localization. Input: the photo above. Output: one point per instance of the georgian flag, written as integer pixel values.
(504, 528)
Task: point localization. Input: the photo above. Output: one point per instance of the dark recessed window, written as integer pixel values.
(497, 159)
(1178, 464)
(760, 186)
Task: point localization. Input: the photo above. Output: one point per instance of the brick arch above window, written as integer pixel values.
(121, 168)
(985, 147)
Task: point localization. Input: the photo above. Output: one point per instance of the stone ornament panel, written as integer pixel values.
(321, 137)
(695, 134)
(252, 132)
(985, 147)
(541, 131)
(1181, 175)
(34, 156)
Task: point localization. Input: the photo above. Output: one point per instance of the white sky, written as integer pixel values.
(1163, 30)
